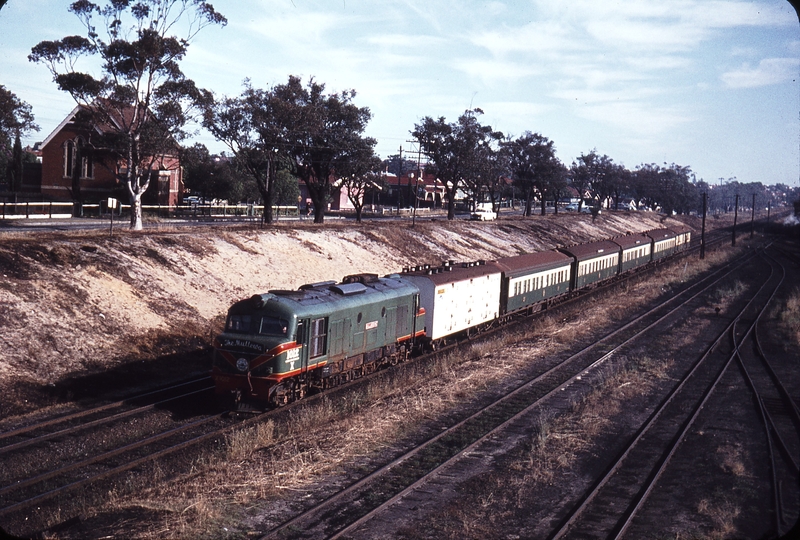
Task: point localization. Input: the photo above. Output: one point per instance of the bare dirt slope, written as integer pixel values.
(72, 304)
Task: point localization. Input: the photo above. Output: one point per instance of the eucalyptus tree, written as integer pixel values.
(140, 99)
(16, 119)
(455, 150)
(328, 131)
(256, 127)
(534, 166)
(588, 173)
(361, 172)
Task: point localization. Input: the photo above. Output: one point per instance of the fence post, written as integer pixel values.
(27, 209)
(51, 209)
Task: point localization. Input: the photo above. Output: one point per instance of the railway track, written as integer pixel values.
(46, 460)
(467, 443)
(609, 508)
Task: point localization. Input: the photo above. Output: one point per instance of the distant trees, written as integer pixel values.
(141, 98)
(314, 135)
(455, 150)
(534, 167)
(16, 119)
(256, 127)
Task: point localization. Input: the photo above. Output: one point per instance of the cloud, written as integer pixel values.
(768, 72)
(494, 72)
(644, 119)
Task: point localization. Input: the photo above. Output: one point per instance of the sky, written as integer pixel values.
(708, 84)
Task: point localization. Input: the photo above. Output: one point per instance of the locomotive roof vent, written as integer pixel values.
(318, 285)
(361, 278)
(349, 289)
(257, 300)
(481, 262)
(430, 271)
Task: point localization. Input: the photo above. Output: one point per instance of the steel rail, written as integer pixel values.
(97, 422)
(101, 408)
(105, 455)
(629, 518)
(364, 480)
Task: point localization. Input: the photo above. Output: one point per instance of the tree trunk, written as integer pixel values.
(319, 212)
(451, 202)
(136, 211)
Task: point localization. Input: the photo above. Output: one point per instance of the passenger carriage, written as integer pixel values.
(636, 250)
(683, 237)
(533, 278)
(456, 297)
(664, 242)
(593, 262)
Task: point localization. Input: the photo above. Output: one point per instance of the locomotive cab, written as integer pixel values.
(277, 347)
(259, 344)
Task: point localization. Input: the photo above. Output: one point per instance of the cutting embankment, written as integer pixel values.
(83, 313)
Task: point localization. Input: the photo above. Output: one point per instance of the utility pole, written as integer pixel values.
(703, 230)
(753, 217)
(735, 217)
(399, 176)
(416, 183)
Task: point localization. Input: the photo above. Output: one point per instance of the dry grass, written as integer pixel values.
(732, 458)
(789, 315)
(722, 514)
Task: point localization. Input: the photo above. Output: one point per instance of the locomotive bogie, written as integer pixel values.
(457, 297)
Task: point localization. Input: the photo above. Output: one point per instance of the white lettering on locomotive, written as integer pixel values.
(292, 356)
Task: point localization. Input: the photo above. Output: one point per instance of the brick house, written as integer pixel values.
(68, 147)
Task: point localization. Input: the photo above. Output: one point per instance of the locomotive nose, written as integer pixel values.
(242, 364)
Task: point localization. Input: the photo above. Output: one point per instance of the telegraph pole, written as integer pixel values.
(753, 217)
(703, 230)
(735, 217)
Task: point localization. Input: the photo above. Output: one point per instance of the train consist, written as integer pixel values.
(279, 346)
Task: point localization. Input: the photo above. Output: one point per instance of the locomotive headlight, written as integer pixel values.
(242, 364)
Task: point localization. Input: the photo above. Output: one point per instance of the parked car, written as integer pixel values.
(571, 207)
(588, 210)
(483, 215)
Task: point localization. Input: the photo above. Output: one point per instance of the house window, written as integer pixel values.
(87, 164)
(69, 158)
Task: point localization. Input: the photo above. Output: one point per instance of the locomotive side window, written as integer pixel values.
(238, 323)
(273, 326)
(319, 335)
